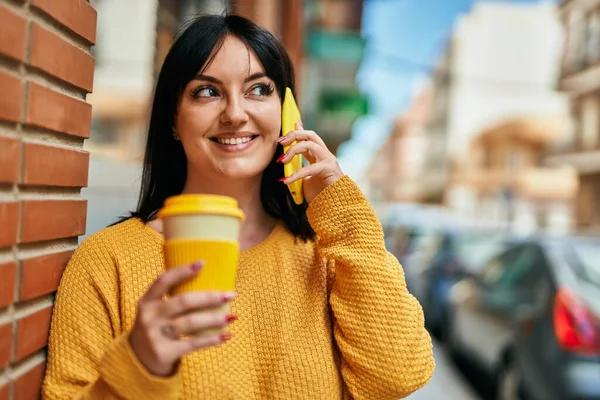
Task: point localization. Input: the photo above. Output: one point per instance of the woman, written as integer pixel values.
(323, 309)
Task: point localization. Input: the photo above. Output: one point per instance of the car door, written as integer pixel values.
(534, 341)
(499, 289)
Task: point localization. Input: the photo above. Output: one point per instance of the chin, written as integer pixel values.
(243, 169)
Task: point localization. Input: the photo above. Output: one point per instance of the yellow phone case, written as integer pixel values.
(289, 116)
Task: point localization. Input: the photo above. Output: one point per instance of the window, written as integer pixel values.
(577, 41)
(493, 269)
(592, 38)
(487, 157)
(514, 160)
(583, 257)
(104, 131)
(516, 268)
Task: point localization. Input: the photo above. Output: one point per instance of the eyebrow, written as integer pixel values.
(250, 78)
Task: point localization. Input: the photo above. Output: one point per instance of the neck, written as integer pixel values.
(257, 223)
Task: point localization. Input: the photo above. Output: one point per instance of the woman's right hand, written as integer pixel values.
(155, 336)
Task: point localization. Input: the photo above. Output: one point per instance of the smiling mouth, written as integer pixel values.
(233, 141)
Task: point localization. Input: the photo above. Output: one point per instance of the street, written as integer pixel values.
(447, 382)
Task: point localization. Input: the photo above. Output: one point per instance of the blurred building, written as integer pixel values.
(396, 173)
(504, 181)
(436, 162)
(580, 78)
(123, 79)
(501, 63)
(123, 85)
(284, 18)
(330, 100)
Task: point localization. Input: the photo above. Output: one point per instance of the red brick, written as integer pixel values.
(52, 219)
(9, 219)
(52, 110)
(58, 112)
(10, 158)
(32, 333)
(29, 385)
(76, 15)
(8, 273)
(52, 54)
(6, 338)
(41, 275)
(5, 391)
(13, 34)
(56, 166)
(11, 100)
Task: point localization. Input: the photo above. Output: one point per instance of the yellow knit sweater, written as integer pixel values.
(326, 320)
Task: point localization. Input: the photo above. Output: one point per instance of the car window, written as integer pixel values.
(492, 270)
(519, 270)
(584, 259)
(514, 268)
(474, 250)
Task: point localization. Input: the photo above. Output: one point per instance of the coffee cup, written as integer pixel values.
(203, 228)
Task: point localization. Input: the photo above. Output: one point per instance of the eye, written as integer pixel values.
(204, 92)
(261, 90)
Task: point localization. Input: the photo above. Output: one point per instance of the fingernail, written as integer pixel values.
(227, 297)
(281, 157)
(197, 266)
(231, 318)
(226, 336)
(281, 139)
(282, 179)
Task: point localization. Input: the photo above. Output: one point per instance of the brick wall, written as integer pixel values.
(46, 70)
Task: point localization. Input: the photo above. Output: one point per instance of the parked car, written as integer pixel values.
(458, 253)
(413, 245)
(424, 243)
(530, 318)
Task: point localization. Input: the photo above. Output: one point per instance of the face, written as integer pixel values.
(229, 116)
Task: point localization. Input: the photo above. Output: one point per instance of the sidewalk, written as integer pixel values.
(447, 383)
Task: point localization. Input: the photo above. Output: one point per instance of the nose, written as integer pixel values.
(234, 112)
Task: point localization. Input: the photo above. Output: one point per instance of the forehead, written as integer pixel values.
(233, 60)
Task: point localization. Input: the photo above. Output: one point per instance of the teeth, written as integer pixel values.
(234, 140)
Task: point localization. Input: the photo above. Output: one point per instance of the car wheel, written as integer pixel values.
(509, 382)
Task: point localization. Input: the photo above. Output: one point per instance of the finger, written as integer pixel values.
(301, 135)
(311, 170)
(193, 301)
(198, 321)
(309, 155)
(310, 149)
(183, 347)
(171, 278)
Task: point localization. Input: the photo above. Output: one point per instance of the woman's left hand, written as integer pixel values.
(324, 168)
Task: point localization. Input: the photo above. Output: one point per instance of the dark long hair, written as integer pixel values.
(165, 163)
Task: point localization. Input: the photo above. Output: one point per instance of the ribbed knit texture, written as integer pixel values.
(326, 320)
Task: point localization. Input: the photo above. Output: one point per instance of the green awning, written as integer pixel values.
(347, 103)
(335, 46)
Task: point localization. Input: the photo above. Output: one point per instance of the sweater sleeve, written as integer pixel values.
(386, 353)
(88, 355)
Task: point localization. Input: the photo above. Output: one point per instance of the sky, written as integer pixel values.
(404, 38)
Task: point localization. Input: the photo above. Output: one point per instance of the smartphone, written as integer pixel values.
(290, 115)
